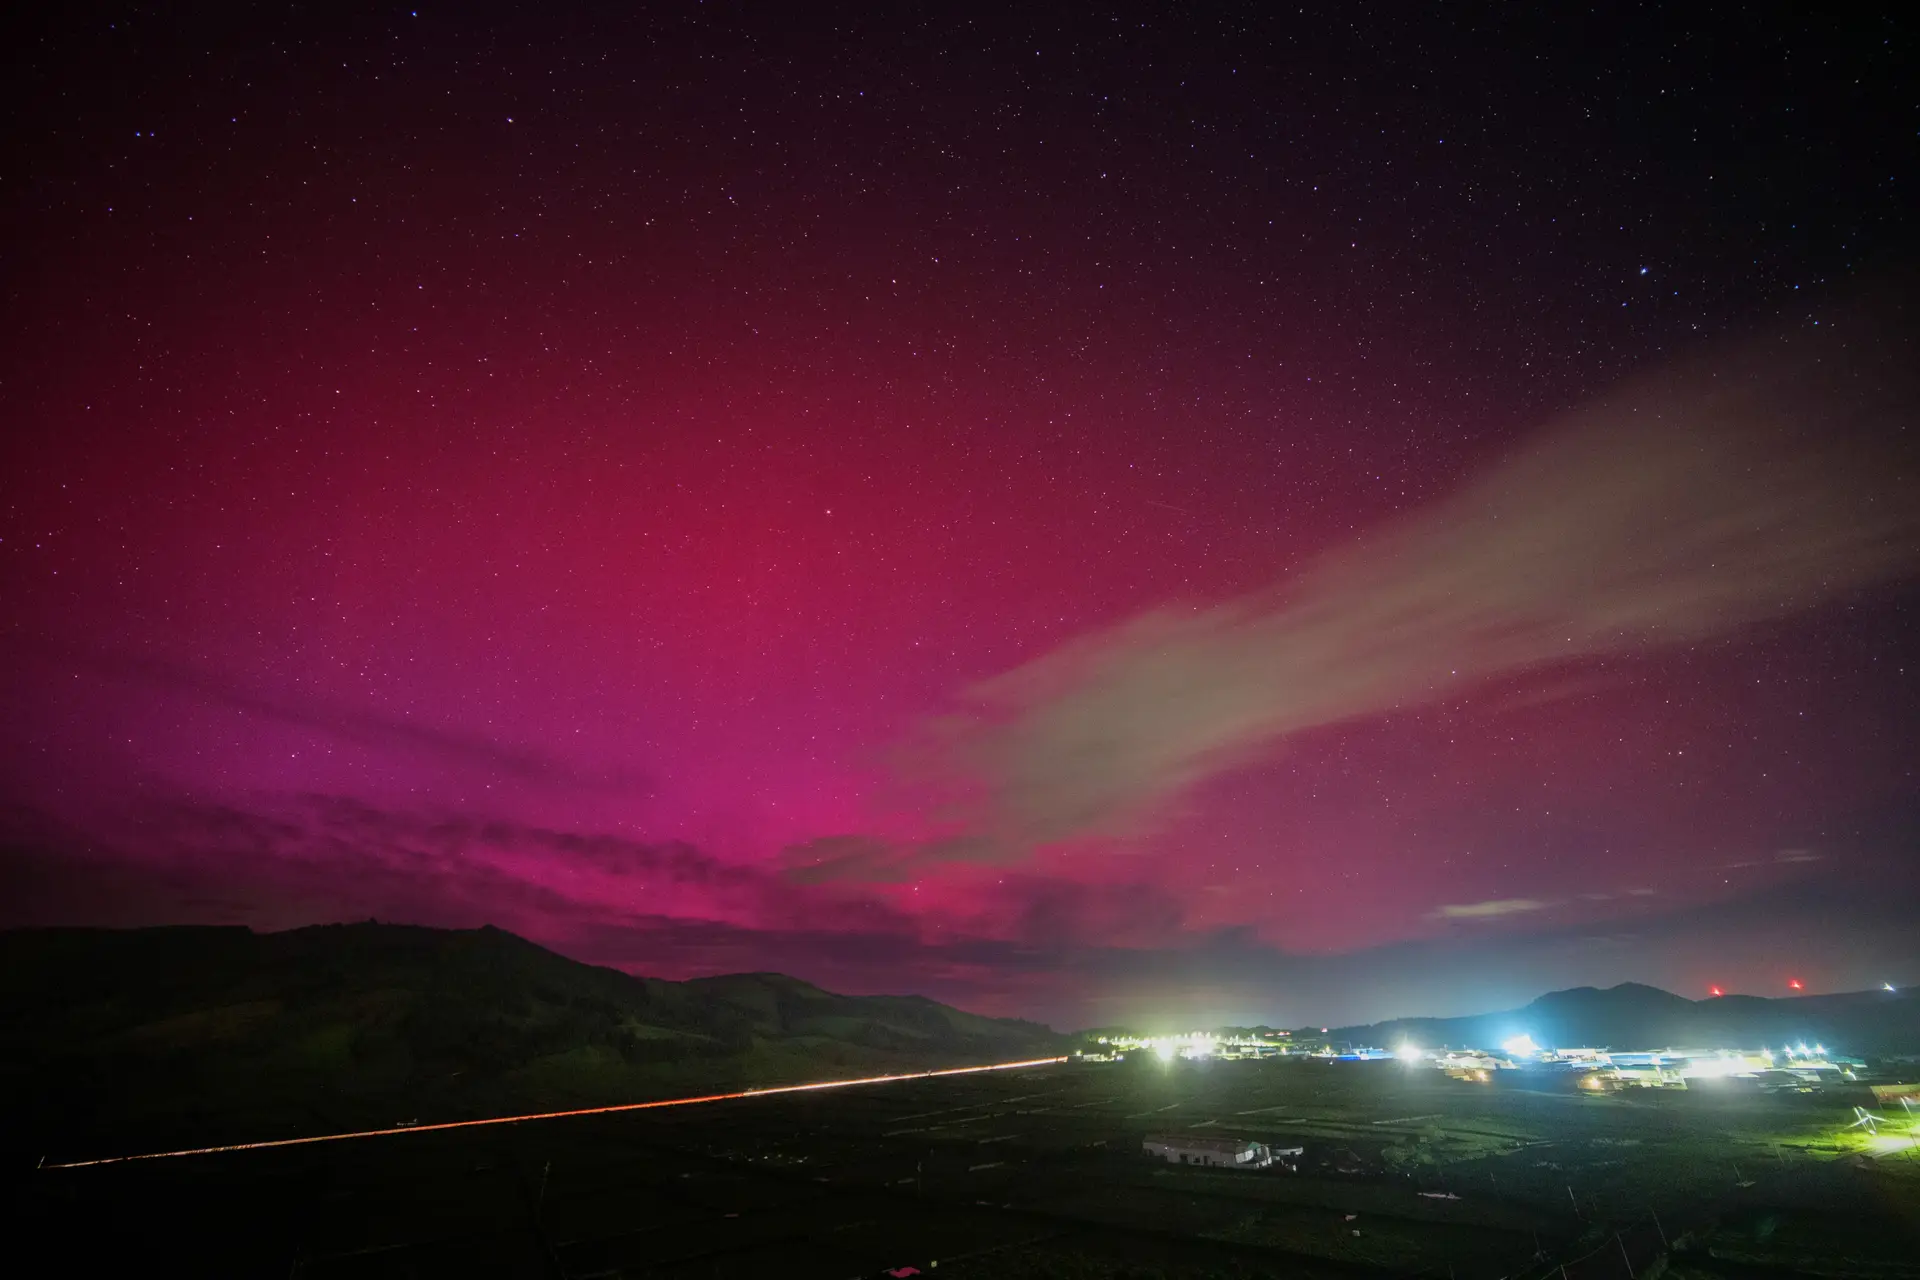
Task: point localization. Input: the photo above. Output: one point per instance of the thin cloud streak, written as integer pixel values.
(1691, 504)
(346, 723)
(1495, 908)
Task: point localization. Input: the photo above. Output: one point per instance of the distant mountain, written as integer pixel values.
(1633, 1016)
(775, 1006)
(207, 1034)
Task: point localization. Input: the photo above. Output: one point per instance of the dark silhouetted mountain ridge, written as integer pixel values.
(1635, 1016)
(208, 1034)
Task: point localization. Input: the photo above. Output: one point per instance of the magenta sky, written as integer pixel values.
(571, 476)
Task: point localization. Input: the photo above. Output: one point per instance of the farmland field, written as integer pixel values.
(1038, 1172)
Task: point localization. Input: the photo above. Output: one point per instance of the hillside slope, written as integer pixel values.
(1633, 1016)
(210, 1034)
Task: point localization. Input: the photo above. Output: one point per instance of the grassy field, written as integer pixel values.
(1039, 1173)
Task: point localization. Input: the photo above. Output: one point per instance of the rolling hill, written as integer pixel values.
(139, 1037)
(1633, 1016)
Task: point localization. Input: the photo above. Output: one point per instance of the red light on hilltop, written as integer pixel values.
(1795, 984)
(1715, 991)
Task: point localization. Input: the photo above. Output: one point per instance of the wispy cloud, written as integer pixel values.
(663, 908)
(1685, 507)
(355, 724)
(298, 859)
(1490, 909)
(1074, 954)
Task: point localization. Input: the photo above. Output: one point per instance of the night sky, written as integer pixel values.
(1172, 514)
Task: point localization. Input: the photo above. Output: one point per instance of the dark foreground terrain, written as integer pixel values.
(1037, 1172)
(155, 1038)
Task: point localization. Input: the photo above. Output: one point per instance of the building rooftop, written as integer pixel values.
(1200, 1142)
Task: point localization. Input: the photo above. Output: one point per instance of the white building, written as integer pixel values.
(1219, 1153)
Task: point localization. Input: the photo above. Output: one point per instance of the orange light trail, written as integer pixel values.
(554, 1115)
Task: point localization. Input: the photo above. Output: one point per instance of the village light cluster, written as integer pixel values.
(1795, 1067)
(1190, 1045)
(1195, 1044)
(1798, 1067)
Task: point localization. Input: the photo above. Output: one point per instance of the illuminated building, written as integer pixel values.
(1218, 1153)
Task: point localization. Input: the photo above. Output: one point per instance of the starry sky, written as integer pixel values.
(1172, 514)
